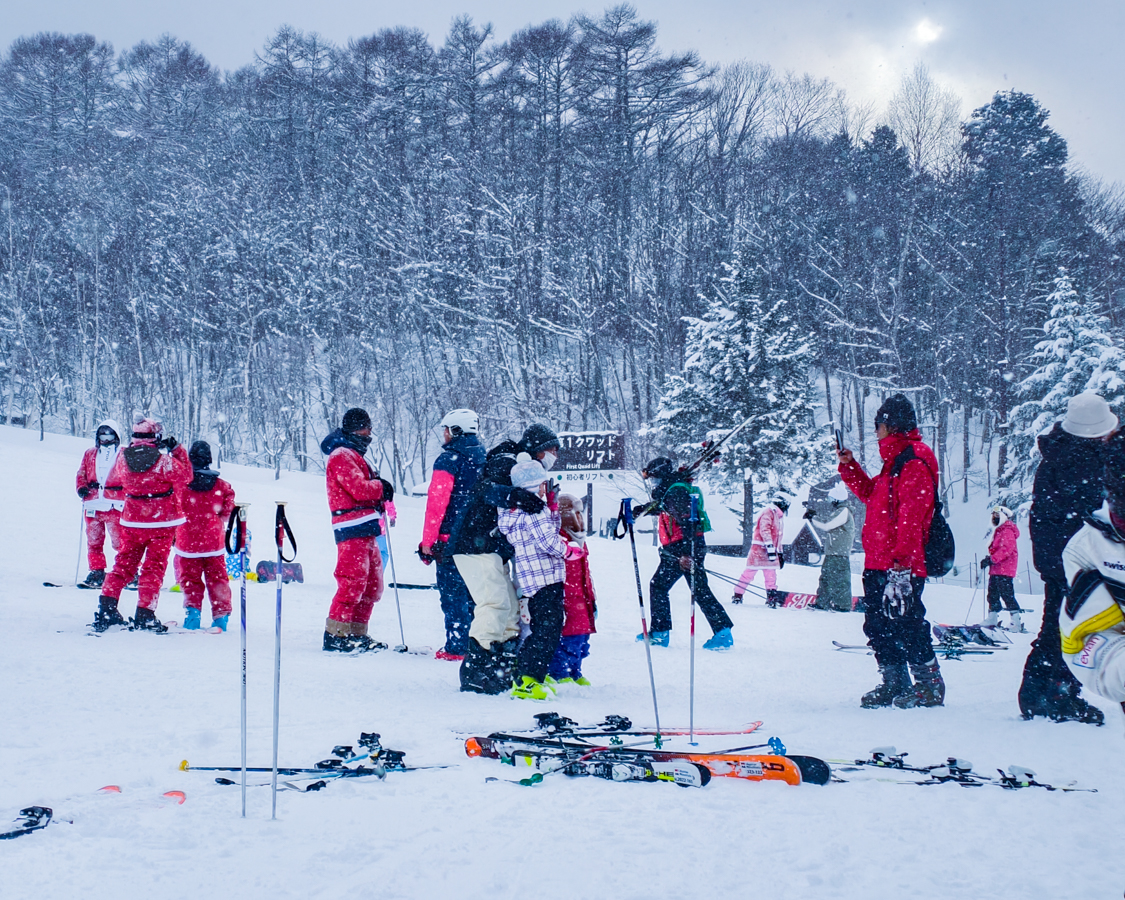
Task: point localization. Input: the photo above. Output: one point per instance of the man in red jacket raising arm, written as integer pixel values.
(900, 506)
(356, 495)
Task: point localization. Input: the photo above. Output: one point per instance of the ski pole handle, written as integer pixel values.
(694, 508)
(283, 531)
(236, 527)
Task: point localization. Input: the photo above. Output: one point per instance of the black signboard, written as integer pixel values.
(586, 451)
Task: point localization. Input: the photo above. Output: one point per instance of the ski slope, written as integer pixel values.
(78, 712)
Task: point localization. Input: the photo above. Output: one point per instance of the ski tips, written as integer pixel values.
(178, 796)
(109, 789)
(473, 747)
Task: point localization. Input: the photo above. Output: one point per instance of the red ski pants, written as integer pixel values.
(193, 571)
(359, 580)
(102, 521)
(150, 545)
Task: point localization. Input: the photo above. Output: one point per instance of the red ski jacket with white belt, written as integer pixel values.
(152, 481)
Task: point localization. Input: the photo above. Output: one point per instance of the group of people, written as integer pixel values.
(147, 498)
(513, 571)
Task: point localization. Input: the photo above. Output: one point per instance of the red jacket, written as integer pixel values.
(153, 481)
(207, 513)
(107, 496)
(355, 493)
(1002, 549)
(579, 600)
(896, 536)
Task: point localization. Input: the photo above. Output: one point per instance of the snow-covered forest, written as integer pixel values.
(528, 225)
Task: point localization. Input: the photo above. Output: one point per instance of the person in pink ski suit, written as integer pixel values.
(152, 471)
(356, 497)
(102, 501)
(579, 600)
(766, 552)
(208, 502)
(1002, 562)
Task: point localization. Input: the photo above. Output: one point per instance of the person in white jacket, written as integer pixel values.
(1092, 621)
(837, 527)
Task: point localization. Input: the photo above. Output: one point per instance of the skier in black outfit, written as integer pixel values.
(1068, 488)
(682, 555)
(481, 554)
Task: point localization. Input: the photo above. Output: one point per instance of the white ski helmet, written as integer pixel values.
(461, 421)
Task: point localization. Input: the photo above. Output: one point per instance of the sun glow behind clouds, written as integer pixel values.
(927, 32)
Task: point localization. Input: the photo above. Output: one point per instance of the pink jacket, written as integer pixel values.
(152, 481)
(206, 512)
(1002, 549)
(769, 532)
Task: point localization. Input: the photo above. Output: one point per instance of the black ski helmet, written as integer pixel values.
(660, 468)
(355, 419)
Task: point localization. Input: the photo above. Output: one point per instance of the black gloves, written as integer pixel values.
(781, 560)
(170, 443)
(427, 557)
(809, 513)
(986, 562)
(88, 490)
(388, 490)
(525, 500)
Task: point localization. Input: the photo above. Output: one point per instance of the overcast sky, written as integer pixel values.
(1071, 56)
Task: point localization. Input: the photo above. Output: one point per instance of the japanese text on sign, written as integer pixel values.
(591, 450)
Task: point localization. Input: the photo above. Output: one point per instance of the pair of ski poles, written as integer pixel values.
(625, 517)
(237, 529)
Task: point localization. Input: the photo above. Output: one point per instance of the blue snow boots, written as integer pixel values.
(720, 640)
(191, 619)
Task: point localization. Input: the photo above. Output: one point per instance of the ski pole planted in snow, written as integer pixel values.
(281, 532)
(401, 648)
(625, 516)
(236, 528)
(691, 655)
(81, 535)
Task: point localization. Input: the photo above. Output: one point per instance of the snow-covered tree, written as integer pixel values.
(747, 356)
(1078, 354)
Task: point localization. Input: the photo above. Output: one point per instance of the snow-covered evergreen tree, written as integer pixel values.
(748, 355)
(1078, 354)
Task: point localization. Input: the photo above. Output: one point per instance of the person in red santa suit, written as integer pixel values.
(102, 502)
(208, 502)
(152, 471)
(356, 496)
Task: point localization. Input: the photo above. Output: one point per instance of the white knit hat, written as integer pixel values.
(1088, 416)
(527, 473)
(839, 493)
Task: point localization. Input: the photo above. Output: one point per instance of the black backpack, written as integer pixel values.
(940, 547)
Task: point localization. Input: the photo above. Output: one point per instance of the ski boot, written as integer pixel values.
(775, 599)
(1017, 626)
(992, 619)
(363, 642)
(736, 599)
(338, 637)
(95, 579)
(220, 622)
(484, 671)
(929, 687)
(527, 688)
(145, 620)
(896, 683)
(134, 585)
(720, 640)
(107, 615)
(191, 619)
(656, 638)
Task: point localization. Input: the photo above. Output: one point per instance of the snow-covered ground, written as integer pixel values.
(78, 712)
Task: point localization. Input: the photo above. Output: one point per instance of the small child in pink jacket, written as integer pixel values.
(766, 552)
(1002, 562)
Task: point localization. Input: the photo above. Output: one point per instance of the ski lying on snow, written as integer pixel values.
(944, 649)
(553, 723)
(681, 772)
(35, 818)
(954, 771)
(725, 764)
